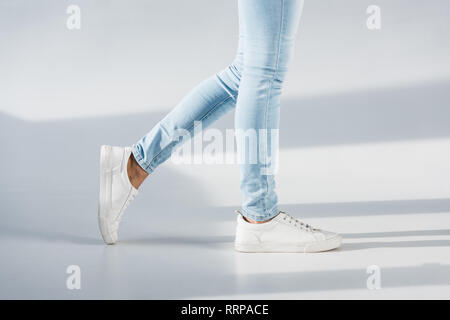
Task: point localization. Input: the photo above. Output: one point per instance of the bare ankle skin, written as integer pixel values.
(256, 222)
(136, 174)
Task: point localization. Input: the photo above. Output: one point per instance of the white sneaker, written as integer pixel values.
(283, 234)
(116, 191)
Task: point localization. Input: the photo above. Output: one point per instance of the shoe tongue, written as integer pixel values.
(279, 217)
(283, 215)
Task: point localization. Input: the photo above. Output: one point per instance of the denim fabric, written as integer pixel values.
(252, 85)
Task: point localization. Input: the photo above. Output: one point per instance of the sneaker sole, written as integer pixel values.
(105, 181)
(319, 246)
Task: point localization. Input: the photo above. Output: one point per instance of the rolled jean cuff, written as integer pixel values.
(137, 155)
(258, 216)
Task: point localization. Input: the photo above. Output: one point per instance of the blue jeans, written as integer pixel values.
(252, 84)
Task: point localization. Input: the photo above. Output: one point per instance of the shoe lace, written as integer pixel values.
(296, 222)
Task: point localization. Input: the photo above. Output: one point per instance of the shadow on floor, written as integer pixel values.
(394, 244)
(212, 281)
(180, 240)
(368, 208)
(409, 233)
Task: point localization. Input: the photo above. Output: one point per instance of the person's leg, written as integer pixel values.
(269, 32)
(269, 29)
(122, 170)
(207, 102)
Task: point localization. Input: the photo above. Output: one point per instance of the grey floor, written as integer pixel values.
(365, 151)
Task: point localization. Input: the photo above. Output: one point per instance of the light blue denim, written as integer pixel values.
(252, 84)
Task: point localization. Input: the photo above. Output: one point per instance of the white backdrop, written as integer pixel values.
(143, 56)
(365, 151)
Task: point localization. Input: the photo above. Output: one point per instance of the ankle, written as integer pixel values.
(254, 221)
(136, 174)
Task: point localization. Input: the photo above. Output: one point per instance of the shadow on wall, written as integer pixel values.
(404, 113)
(378, 115)
(50, 168)
(49, 177)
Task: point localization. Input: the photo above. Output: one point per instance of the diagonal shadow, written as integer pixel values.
(51, 236)
(394, 244)
(386, 234)
(368, 208)
(210, 284)
(180, 240)
(378, 115)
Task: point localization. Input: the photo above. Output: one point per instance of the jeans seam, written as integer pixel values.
(141, 161)
(222, 84)
(268, 97)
